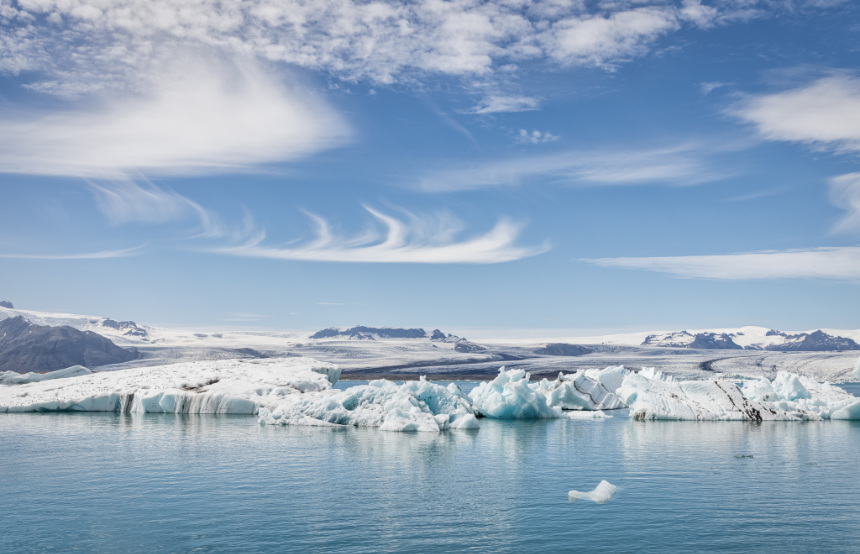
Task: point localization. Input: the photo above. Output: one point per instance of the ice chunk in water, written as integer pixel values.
(509, 396)
(601, 493)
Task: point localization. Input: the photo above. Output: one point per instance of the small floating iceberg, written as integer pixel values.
(601, 493)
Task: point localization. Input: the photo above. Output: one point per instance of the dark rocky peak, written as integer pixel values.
(563, 349)
(815, 342)
(128, 328)
(362, 332)
(25, 347)
(6, 304)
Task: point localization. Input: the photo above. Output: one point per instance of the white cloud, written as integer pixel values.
(845, 193)
(535, 137)
(505, 104)
(825, 113)
(420, 240)
(680, 164)
(126, 201)
(386, 41)
(197, 114)
(604, 40)
(100, 255)
(842, 263)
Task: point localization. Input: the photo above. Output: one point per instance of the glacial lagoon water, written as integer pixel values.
(165, 483)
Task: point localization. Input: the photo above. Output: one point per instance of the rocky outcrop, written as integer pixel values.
(563, 349)
(813, 342)
(127, 328)
(362, 332)
(6, 304)
(25, 347)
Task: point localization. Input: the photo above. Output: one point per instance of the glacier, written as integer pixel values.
(601, 493)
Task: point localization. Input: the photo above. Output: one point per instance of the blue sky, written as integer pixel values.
(624, 164)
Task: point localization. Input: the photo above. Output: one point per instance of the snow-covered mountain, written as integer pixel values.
(757, 338)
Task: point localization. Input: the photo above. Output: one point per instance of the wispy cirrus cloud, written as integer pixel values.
(505, 104)
(126, 201)
(416, 240)
(841, 263)
(194, 114)
(99, 255)
(845, 194)
(677, 165)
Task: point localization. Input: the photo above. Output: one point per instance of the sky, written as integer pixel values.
(607, 165)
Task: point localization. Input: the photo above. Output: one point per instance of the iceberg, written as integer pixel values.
(584, 390)
(652, 395)
(803, 398)
(601, 493)
(13, 378)
(857, 370)
(413, 406)
(224, 386)
(509, 396)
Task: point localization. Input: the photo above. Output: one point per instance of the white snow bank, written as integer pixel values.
(223, 386)
(803, 398)
(509, 396)
(13, 378)
(601, 493)
(413, 406)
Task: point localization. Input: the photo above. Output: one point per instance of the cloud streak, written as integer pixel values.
(100, 255)
(417, 240)
(839, 263)
(677, 165)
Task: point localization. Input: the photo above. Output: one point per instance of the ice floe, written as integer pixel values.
(601, 493)
(13, 378)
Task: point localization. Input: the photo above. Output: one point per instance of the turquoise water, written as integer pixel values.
(157, 483)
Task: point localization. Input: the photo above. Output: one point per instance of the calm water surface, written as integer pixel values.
(156, 483)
